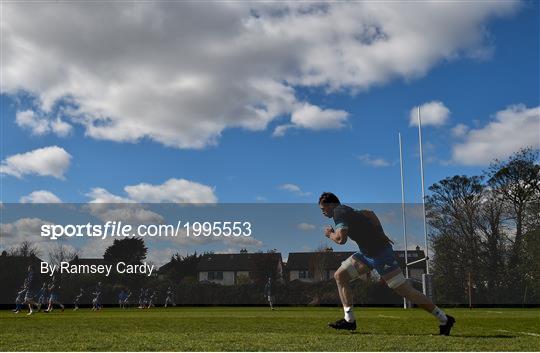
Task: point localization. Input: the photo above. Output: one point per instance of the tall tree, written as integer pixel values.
(517, 180)
(62, 253)
(493, 243)
(453, 212)
(181, 267)
(129, 250)
(25, 249)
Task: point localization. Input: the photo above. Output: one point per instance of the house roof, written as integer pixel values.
(89, 261)
(165, 267)
(8, 260)
(235, 262)
(331, 260)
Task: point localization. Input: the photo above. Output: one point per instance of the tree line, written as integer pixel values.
(485, 233)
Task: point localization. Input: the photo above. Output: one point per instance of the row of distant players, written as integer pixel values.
(48, 297)
(146, 298)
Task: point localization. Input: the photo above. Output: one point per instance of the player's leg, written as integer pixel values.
(51, 304)
(350, 269)
(62, 307)
(29, 300)
(30, 311)
(397, 282)
(18, 306)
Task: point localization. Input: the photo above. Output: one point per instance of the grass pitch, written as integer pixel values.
(259, 329)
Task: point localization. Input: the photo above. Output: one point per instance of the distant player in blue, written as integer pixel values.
(121, 298)
(126, 300)
(96, 302)
(78, 299)
(374, 252)
(141, 298)
(268, 292)
(43, 300)
(151, 299)
(169, 297)
(19, 300)
(146, 296)
(29, 285)
(53, 297)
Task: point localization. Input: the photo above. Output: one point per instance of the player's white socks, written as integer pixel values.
(349, 315)
(440, 315)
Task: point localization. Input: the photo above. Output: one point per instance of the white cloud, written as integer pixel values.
(173, 190)
(40, 196)
(101, 195)
(306, 227)
(180, 73)
(293, 188)
(512, 128)
(126, 213)
(47, 161)
(60, 127)
(432, 113)
(280, 130)
(160, 257)
(311, 117)
(28, 119)
(374, 161)
(249, 242)
(39, 125)
(23, 227)
(460, 130)
(95, 247)
(228, 251)
(110, 207)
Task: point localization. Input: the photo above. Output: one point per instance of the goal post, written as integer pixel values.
(427, 278)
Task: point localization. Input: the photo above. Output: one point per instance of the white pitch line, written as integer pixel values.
(496, 312)
(388, 316)
(523, 333)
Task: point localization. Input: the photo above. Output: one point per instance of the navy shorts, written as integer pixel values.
(383, 263)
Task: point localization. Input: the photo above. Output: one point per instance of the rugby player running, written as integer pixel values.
(375, 252)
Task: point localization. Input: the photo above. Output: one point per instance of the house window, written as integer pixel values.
(215, 275)
(305, 274)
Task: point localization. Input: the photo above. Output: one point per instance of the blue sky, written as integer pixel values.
(489, 83)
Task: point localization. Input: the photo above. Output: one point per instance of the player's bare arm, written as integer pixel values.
(338, 236)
